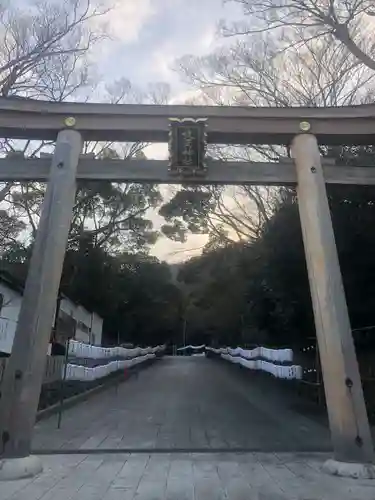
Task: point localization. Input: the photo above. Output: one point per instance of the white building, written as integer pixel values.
(74, 321)
(10, 305)
(87, 325)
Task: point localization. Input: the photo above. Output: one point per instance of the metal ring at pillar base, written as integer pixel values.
(20, 468)
(347, 469)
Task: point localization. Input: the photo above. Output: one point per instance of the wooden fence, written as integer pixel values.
(52, 373)
(311, 385)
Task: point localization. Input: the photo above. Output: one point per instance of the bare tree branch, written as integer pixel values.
(342, 20)
(258, 71)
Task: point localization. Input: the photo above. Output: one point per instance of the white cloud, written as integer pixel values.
(157, 151)
(162, 59)
(127, 18)
(173, 251)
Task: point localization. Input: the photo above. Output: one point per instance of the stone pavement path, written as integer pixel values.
(249, 476)
(188, 403)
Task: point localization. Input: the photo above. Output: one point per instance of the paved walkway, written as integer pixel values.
(185, 403)
(188, 403)
(186, 477)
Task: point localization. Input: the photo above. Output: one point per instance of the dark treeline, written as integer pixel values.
(257, 291)
(133, 293)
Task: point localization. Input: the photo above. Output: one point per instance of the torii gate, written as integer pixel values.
(72, 123)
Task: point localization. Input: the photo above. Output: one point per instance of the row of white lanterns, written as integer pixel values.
(81, 350)
(278, 371)
(279, 355)
(83, 373)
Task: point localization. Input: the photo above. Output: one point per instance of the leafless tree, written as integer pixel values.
(42, 47)
(113, 215)
(42, 56)
(46, 55)
(254, 72)
(346, 22)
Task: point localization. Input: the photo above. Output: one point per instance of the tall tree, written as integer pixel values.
(256, 72)
(43, 47)
(133, 293)
(43, 56)
(340, 22)
(47, 55)
(268, 266)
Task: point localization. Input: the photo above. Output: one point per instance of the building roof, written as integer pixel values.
(16, 285)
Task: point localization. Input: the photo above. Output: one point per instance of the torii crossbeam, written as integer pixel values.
(30, 119)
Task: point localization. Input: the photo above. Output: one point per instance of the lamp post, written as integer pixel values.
(184, 325)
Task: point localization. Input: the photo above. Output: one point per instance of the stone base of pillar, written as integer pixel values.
(347, 469)
(12, 469)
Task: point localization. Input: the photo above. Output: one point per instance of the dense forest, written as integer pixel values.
(257, 292)
(133, 293)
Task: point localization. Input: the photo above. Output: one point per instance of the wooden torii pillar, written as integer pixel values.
(25, 368)
(350, 431)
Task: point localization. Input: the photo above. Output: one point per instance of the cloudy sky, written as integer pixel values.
(149, 36)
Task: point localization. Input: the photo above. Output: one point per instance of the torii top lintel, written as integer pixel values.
(31, 119)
